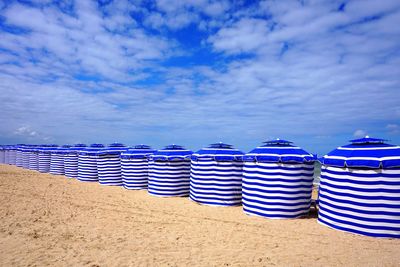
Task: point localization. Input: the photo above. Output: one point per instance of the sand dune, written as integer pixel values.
(52, 220)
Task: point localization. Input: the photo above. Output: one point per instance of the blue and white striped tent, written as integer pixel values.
(169, 172)
(57, 160)
(34, 158)
(2, 154)
(12, 155)
(71, 160)
(26, 152)
(216, 175)
(360, 188)
(135, 167)
(87, 163)
(277, 180)
(18, 156)
(6, 154)
(109, 164)
(44, 157)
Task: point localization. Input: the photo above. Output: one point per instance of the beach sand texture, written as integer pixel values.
(52, 220)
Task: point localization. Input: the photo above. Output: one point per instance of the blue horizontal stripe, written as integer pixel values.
(246, 205)
(278, 191)
(273, 215)
(367, 197)
(357, 231)
(372, 227)
(395, 212)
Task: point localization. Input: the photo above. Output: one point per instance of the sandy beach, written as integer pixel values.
(52, 220)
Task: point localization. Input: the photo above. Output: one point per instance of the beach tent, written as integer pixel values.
(18, 156)
(2, 152)
(34, 158)
(44, 157)
(57, 159)
(7, 154)
(135, 167)
(109, 164)
(216, 175)
(71, 160)
(12, 155)
(87, 163)
(360, 188)
(277, 180)
(26, 152)
(169, 172)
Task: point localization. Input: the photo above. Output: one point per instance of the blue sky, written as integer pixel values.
(195, 72)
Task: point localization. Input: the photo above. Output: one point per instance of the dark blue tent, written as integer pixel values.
(277, 180)
(360, 188)
(216, 175)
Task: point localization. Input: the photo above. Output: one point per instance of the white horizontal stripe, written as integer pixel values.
(222, 182)
(361, 171)
(278, 155)
(362, 158)
(363, 223)
(362, 186)
(307, 199)
(206, 196)
(281, 194)
(361, 208)
(359, 193)
(369, 148)
(268, 183)
(361, 179)
(233, 173)
(267, 171)
(279, 164)
(358, 200)
(211, 188)
(273, 206)
(274, 147)
(274, 176)
(271, 213)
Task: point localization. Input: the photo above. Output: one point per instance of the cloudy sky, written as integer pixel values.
(194, 72)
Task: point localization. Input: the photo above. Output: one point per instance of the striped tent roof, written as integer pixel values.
(112, 149)
(76, 148)
(64, 149)
(46, 148)
(219, 152)
(91, 150)
(172, 152)
(279, 151)
(138, 152)
(364, 153)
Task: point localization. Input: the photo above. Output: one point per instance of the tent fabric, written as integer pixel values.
(364, 153)
(57, 160)
(169, 172)
(12, 155)
(71, 161)
(135, 167)
(87, 163)
(26, 152)
(279, 151)
(44, 158)
(2, 152)
(109, 164)
(18, 157)
(6, 155)
(216, 175)
(277, 180)
(361, 198)
(34, 160)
